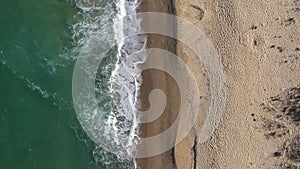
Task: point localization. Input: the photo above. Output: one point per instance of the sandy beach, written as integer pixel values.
(155, 79)
(258, 42)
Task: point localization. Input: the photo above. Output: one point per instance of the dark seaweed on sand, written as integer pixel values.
(288, 103)
(293, 149)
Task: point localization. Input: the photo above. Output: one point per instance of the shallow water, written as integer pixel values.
(38, 126)
(39, 44)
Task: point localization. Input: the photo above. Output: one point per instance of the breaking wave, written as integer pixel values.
(118, 80)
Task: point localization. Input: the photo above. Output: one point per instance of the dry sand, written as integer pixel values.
(258, 42)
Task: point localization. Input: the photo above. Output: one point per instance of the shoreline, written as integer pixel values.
(259, 48)
(155, 79)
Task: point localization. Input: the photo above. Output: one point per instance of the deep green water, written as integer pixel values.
(38, 126)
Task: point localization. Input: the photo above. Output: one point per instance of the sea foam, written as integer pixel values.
(121, 127)
(126, 78)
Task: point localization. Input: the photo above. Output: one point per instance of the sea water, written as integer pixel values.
(40, 41)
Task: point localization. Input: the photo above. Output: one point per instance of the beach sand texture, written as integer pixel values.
(155, 79)
(258, 42)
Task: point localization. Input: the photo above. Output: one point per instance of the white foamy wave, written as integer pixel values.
(122, 124)
(91, 16)
(126, 78)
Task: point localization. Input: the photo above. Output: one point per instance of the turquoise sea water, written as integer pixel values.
(38, 126)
